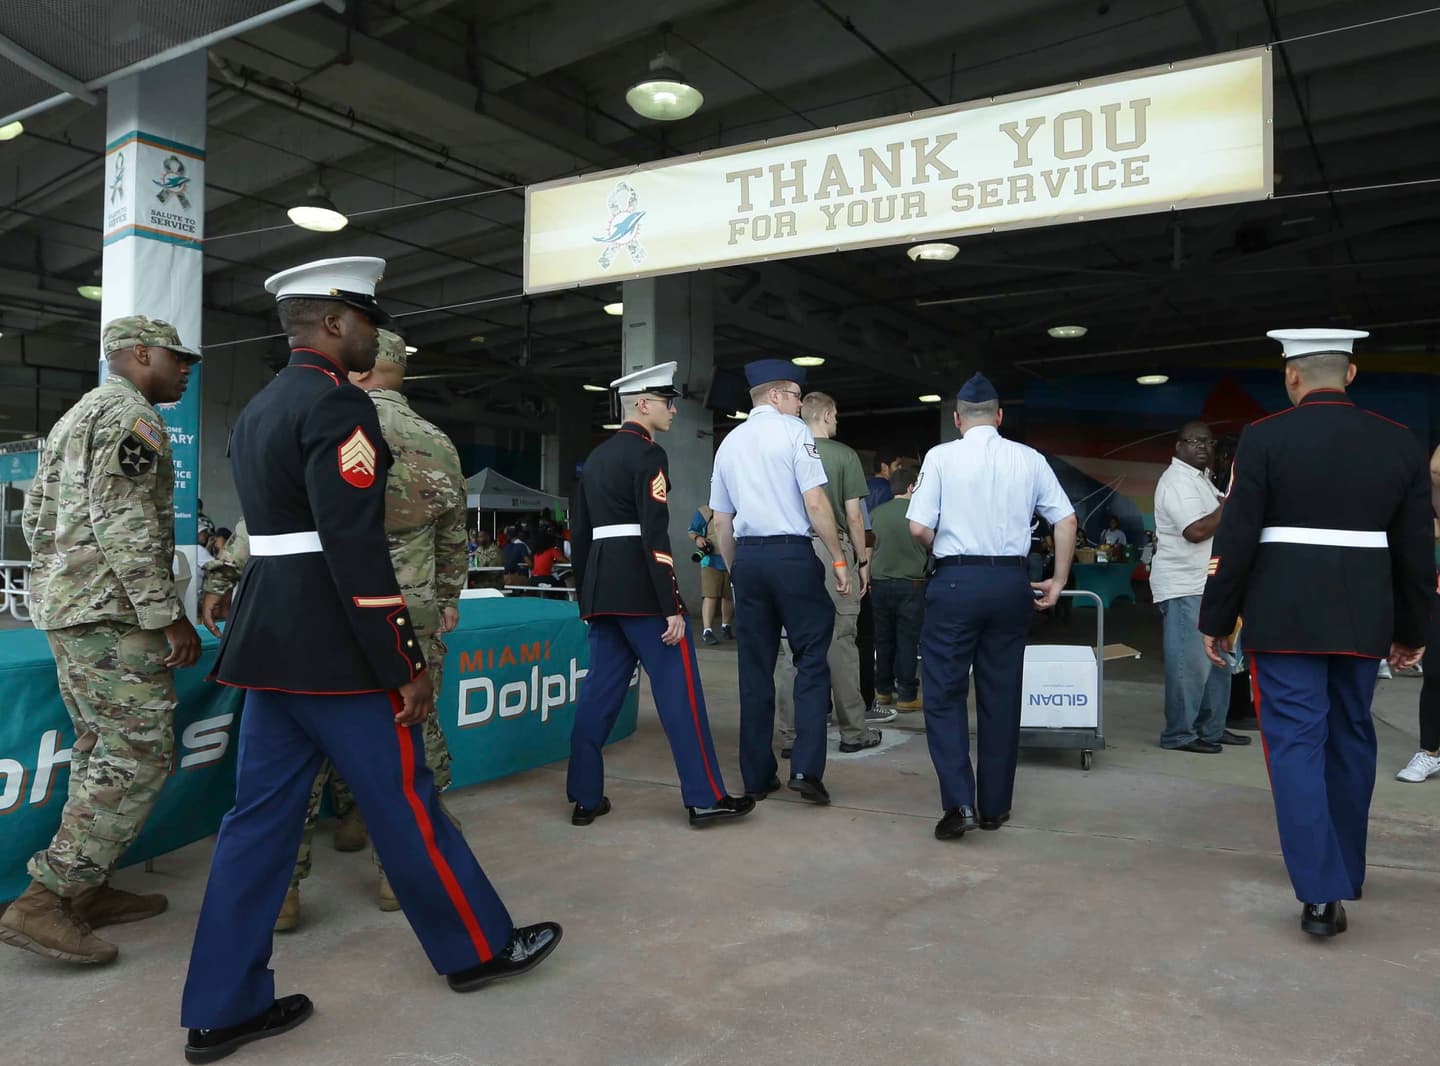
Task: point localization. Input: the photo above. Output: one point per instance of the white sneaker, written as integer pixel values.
(1421, 765)
(1385, 674)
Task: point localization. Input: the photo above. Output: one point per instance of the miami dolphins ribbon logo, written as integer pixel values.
(117, 180)
(624, 231)
(173, 183)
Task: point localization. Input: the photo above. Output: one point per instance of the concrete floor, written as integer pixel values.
(1139, 913)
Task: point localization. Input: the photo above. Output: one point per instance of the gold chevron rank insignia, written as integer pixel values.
(657, 487)
(357, 460)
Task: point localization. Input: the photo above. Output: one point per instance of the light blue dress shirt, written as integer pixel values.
(762, 469)
(980, 492)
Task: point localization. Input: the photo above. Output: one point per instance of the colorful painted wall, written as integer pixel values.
(1110, 439)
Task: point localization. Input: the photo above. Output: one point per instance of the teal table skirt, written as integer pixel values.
(512, 677)
(1110, 581)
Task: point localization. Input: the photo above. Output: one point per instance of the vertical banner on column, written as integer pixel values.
(153, 232)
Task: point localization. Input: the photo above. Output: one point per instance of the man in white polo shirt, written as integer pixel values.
(1187, 512)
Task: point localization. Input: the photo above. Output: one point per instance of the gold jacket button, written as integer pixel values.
(400, 621)
(409, 644)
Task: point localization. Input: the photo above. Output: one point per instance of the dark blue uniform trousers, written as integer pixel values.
(616, 644)
(975, 616)
(780, 582)
(283, 738)
(1319, 739)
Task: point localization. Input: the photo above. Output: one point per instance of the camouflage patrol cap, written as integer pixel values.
(122, 333)
(392, 349)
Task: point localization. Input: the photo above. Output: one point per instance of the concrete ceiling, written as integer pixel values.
(412, 100)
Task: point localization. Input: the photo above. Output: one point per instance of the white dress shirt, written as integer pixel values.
(762, 469)
(979, 494)
(1183, 496)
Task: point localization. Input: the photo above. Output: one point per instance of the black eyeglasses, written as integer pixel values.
(1197, 440)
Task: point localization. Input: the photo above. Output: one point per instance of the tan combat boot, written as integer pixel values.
(289, 912)
(42, 922)
(350, 834)
(910, 706)
(102, 906)
(388, 902)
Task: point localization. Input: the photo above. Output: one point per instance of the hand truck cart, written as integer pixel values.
(1062, 695)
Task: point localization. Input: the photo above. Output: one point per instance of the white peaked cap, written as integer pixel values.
(351, 280)
(1302, 342)
(658, 380)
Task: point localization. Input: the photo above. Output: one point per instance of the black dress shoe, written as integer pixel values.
(584, 816)
(956, 823)
(1202, 747)
(1234, 739)
(759, 794)
(810, 788)
(208, 1045)
(1323, 919)
(728, 809)
(994, 823)
(529, 945)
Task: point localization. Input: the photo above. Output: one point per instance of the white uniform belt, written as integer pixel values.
(1330, 538)
(285, 543)
(610, 532)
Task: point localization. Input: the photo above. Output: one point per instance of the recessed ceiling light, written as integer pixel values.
(594, 388)
(664, 94)
(1152, 379)
(318, 212)
(939, 252)
(90, 292)
(611, 425)
(11, 130)
(479, 338)
(410, 349)
(1066, 333)
(808, 360)
(930, 397)
(738, 416)
(617, 308)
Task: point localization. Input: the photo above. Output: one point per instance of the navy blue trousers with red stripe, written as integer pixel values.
(452, 907)
(1319, 739)
(617, 643)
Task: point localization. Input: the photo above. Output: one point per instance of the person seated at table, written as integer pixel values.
(516, 557)
(1114, 536)
(486, 554)
(542, 566)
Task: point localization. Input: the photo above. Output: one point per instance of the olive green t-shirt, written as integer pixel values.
(846, 477)
(897, 555)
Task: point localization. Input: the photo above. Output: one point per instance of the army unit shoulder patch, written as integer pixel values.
(136, 456)
(357, 460)
(657, 487)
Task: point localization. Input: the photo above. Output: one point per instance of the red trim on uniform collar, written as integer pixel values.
(312, 351)
(638, 431)
(1327, 396)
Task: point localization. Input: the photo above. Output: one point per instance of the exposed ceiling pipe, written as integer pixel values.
(251, 84)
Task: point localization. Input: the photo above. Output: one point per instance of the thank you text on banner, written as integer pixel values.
(1183, 135)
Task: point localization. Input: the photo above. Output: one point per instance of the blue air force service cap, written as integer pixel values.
(653, 381)
(763, 371)
(1298, 343)
(977, 390)
(350, 280)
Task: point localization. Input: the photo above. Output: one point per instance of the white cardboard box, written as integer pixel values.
(1058, 689)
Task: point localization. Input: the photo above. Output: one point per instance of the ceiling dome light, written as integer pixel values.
(617, 308)
(738, 416)
(664, 95)
(1152, 379)
(933, 253)
(930, 397)
(90, 292)
(318, 212)
(594, 388)
(611, 425)
(410, 349)
(808, 360)
(479, 338)
(1067, 333)
(11, 130)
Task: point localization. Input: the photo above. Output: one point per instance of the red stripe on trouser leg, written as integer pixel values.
(685, 657)
(432, 848)
(1255, 699)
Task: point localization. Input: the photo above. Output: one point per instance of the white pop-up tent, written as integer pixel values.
(490, 490)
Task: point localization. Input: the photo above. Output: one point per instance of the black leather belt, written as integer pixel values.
(980, 560)
(783, 539)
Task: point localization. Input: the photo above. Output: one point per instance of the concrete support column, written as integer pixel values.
(153, 223)
(569, 443)
(673, 318)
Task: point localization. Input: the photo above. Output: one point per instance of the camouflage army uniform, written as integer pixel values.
(99, 519)
(425, 528)
(222, 573)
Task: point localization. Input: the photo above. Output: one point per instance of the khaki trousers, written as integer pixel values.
(843, 658)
